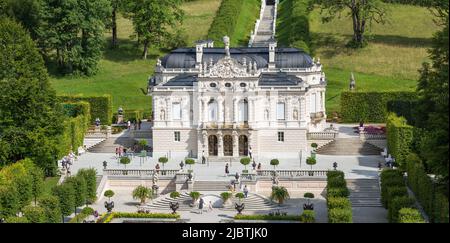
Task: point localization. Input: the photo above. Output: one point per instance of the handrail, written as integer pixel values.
(138, 172)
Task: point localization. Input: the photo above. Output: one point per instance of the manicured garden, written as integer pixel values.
(338, 204)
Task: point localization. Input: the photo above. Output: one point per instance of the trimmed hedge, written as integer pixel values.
(106, 218)
(338, 202)
(396, 204)
(371, 106)
(390, 178)
(394, 192)
(410, 215)
(226, 19)
(433, 201)
(340, 215)
(132, 115)
(338, 192)
(400, 138)
(74, 128)
(101, 106)
(268, 217)
(294, 18)
(308, 216)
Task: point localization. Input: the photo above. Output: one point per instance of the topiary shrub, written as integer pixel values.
(163, 161)
(174, 194)
(311, 161)
(274, 163)
(225, 196)
(189, 162)
(125, 161)
(87, 211)
(245, 161)
(109, 194)
(410, 215)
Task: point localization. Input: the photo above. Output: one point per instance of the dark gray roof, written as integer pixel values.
(266, 79)
(278, 79)
(182, 80)
(284, 57)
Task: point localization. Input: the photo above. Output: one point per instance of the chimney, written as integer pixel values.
(199, 52)
(272, 46)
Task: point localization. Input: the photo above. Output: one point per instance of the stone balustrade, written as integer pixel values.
(371, 136)
(138, 172)
(322, 135)
(292, 173)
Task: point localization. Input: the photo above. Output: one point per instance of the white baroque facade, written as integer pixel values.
(227, 102)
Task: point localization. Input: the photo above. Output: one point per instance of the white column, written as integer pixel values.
(220, 110)
(205, 110)
(235, 110)
(220, 144)
(235, 144)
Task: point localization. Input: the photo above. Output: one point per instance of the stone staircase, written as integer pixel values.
(364, 192)
(348, 146)
(91, 142)
(265, 31)
(225, 159)
(211, 185)
(109, 145)
(253, 202)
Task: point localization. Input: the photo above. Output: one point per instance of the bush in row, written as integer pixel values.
(74, 128)
(106, 218)
(396, 204)
(433, 201)
(338, 202)
(340, 215)
(85, 212)
(400, 137)
(390, 178)
(338, 192)
(100, 106)
(267, 217)
(371, 106)
(410, 215)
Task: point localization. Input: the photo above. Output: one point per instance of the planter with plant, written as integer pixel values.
(109, 194)
(311, 161)
(174, 205)
(274, 163)
(225, 197)
(308, 205)
(189, 162)
(125, 161)
(163, 161)
(239, 206)
(195, 196)
(143, 144)
(142, 193)
(245, 161)
(279, 194)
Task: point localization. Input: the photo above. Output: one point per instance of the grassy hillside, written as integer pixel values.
(391, 61)
(123, 73)
(246, 22)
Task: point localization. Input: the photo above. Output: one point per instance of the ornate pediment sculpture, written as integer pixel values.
(228, 67)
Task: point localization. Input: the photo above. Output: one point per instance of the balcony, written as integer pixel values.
(226, 125)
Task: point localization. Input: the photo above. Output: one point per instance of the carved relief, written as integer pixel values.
(228, 67)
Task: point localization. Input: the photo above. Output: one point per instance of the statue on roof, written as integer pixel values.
(226, 41)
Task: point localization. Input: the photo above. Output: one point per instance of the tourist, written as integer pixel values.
(157, 168)
(250, 151)
(129, 125)
(245, 191)
(335, 165)
(200, 205)
(379, 165)
(210, 207)
(259, 166)
(254, 165)
(139, 124)
(105, 164)
(227, 171)
(120, 151)
(135, 125)
(117, 152)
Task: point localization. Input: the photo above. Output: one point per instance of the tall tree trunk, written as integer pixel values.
(114, 29)
(145, 53)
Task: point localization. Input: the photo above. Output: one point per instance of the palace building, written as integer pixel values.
(229, 102)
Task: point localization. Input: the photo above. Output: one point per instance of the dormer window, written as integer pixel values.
(212, 85)
(243, 85)
(228, 85)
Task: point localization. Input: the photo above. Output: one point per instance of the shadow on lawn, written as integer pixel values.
(127, 51)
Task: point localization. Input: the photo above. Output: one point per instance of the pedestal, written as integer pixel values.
(119, 119)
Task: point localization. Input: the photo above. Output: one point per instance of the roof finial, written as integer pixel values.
(226, 41)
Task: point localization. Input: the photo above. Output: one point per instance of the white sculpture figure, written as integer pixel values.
(226, 41)
(295, 114)
(162, 116)
(158, 62)
(352, 82)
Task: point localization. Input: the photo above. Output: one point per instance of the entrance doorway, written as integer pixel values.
(243, 145)
(212, 145)
(227, 145)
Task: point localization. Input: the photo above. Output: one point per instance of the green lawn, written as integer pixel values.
(246, 22)
(391, 61)
(123, 74)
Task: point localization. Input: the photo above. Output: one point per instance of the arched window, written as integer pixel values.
(243, 110)
(212, 110)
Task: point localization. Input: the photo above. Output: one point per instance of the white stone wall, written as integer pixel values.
(164, 142)
(269, 147)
